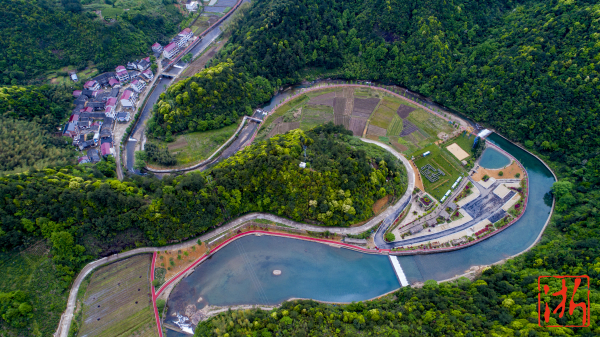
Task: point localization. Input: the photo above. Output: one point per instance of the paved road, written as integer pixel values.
(65, 323)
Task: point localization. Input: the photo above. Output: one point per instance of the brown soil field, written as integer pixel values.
(407, 128)
(376, 131)
(181, 142)
(399, 147)
(404, 110)
(163, 259)
(339, 106)
(285, 127)
(363, 107)
(379, 204)
(325, 99)
(342, 120)
(509, 172)
(118, 302)
(357, 125)
(418, 180)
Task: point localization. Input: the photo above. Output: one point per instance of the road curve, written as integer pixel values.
(391, 212)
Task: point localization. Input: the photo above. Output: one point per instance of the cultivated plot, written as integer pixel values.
(118, 301)
(363, 107)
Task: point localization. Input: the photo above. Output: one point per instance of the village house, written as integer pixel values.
(171, 50)
(131, 65)
(96, 106)
(113, 82)
(76, 93)
(91, 85)
(192, 6)
(148, 74)
(122, 74)
(122, 117)
(70, 130)
(138, 85)
(86, 145)
(157, 48)
(83, 160)
(128, 99)
(93, 155)
(186, 35)
(74, 77)
(143, 64)
(105, 149)
(104, 79)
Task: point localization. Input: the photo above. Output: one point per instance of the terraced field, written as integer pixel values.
(117, 301)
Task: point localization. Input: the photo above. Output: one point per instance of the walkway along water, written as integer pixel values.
(521, 236)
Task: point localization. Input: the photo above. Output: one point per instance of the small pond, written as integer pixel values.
(493, 159)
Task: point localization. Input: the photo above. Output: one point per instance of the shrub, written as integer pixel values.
(389, 237)
(501, 173)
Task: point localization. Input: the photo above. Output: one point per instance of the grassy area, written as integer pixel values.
(382, 116)
(116, 301)
(439, 159)
(110, 12)
(315, 115)
(395, 126)
(196, 146)
(34, 272)
(429, 123)
(465, 141)
(293, 104)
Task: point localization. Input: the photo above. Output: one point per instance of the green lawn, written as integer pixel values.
(110, 12)
(429, 123)
(439, 159)
(315, 115)
(465, 141)
(395, 126)
(382, 116)
(196, 146)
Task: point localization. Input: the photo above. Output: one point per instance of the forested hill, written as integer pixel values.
(40, 35)
(527, 68)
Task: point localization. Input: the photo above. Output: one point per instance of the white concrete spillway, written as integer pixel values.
(398, 270)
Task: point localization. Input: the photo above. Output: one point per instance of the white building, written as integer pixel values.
(170, 50)
(122, 74)
(128, 99)
(138, 85)
(192, 6)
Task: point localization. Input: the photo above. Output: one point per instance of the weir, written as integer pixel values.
(398, 270)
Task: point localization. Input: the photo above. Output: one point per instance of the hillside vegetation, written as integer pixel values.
(211, 99)
(28, 118)
(40, 35)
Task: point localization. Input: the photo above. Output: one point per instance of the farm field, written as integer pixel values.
(196, 146)
(441, 159)
(117, 301)
(366, 112)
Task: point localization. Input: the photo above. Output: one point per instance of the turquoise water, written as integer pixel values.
(493, 159)
(242, 273)
(511, 241)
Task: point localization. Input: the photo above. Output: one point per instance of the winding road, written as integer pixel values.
(392, 212)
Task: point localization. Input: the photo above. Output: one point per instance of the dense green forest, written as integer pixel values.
(526, 67)
(29, 117)
(83, 214)
(211, 99)
(41, 35)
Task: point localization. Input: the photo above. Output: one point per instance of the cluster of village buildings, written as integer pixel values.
(111, 98)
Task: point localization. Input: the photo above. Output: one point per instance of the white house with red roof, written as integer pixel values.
(138, 85)
(92, 85)
(113, 81)
(186, 34)
(128, 99)
(157, 48)
(77, 93)
(170, 50)
(122, 74)
(148, 74)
